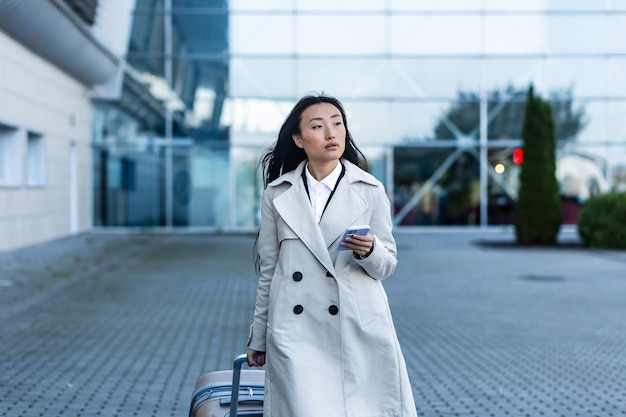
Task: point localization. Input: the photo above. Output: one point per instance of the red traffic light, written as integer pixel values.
(518, 156)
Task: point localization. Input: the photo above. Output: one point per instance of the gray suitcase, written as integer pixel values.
(229, 393)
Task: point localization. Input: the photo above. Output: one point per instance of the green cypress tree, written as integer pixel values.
(538, 213)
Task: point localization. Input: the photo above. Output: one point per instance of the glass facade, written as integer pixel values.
(435, 93)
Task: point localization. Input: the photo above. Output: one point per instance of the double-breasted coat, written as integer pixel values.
(322, 315)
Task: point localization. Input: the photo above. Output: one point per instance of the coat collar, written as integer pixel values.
(353, 174)
(344, 208)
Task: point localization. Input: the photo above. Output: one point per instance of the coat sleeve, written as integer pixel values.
(381, 263)
(268, 246)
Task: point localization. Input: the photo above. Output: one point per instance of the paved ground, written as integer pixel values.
(116, 324)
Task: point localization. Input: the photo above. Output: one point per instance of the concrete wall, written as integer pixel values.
(38, 98)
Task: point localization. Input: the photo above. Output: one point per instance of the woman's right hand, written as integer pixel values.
(255, 358)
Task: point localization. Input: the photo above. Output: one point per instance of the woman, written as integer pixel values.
(322, 322)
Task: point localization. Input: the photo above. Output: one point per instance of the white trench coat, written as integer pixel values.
(322, 315)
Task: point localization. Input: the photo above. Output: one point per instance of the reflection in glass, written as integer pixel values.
(206, 171)
(253, 5)
(454, 34)
(343, 77)
(433, 78)
(436, 186)
(261, 34)
(503, 183)
(411, 84)
(248, 186)
(617, 32)
(505, 113)
(391, 122)
(348, 36)
(340, 6)
(562, 39)
(582, 173)
(615, 112)
(581, 75)
(147, 34)
(269, 78)
(128, 188)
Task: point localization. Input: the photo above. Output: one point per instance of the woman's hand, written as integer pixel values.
(255, 358)
(362, 245)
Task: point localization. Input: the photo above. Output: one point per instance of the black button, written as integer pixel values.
(333, 310)
(298, 309)
(328, 274)
(297, 276)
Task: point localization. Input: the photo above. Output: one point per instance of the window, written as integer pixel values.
(35, 160)
(10, 157)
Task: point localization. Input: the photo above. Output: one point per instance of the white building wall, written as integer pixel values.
(36, 96)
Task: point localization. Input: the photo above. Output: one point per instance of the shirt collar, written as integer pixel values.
(330, 180)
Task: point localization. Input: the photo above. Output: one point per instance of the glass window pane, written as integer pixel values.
(594, 117)
(417, 79)
(132, 192)
(347, 36)
(201, 195)
(503, 74)
(10, 156)
(248, 186)
(148, 66)
(240, 5)
(578, 5)
(617, 168)
(261, 34)
(341, 5)
(459, 120)
(514, 34)
(376, 162)
(203, 32)
(434, 34)
(260, 77)
(385, 122)
(502, 184)
(577, 33)
(571, 116)
(615, 126)
(586, 77)
(463, 5)
(35, 160)
(436, 186)
(506, 109)
(254, 121)
(342, 77)
(616, 80)
(146, 33)
(433, 78)
(201, 86)
(582, 172)
(617, 32)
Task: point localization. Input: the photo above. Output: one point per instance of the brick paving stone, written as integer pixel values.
(122, 324)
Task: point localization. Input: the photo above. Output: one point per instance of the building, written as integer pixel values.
(435, 92)
(55, 56)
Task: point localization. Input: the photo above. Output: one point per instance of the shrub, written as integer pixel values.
(602, 221)
(538, 213)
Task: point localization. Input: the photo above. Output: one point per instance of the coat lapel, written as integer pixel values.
(344, 208)
(295, 209)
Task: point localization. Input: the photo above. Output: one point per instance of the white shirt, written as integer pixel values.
(319, 191)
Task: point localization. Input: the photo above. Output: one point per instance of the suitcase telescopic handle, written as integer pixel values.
(234, 395)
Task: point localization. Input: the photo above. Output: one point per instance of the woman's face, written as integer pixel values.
(322, 133)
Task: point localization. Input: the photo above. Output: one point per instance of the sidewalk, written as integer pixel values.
(118, 324)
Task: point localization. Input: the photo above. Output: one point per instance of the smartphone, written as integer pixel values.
(353, 230)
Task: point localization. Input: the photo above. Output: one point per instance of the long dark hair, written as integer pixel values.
(284, 155)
